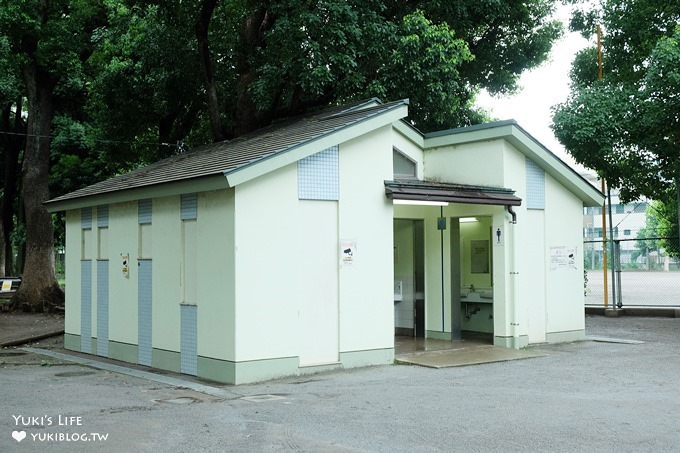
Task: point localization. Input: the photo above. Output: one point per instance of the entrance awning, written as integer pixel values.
(416, 190)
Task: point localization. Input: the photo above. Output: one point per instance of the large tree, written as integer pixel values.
(108, 85)
(626, 126)
(236, 65)
(49, 41)
(12, 139)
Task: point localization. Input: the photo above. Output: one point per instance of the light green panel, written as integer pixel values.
(511, 342)
(72, 342)
(123, 240)
(216, 263)
(165, 360)
(353, 359)
(167, 257)
(123, 351)
(565, 337)
(216, 370)
(262, 370)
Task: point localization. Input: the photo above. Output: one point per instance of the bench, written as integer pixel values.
(9, 286)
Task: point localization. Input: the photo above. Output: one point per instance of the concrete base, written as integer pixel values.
(656, 312)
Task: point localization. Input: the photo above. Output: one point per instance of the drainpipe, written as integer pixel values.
(514, 277)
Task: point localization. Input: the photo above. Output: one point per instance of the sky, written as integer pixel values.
(540, 89)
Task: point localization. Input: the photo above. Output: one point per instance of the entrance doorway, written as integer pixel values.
(409, 278)
(472, 277)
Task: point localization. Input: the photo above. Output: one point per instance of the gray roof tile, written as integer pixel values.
(224, 157)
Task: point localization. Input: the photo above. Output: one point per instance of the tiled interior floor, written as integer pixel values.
(410, 345)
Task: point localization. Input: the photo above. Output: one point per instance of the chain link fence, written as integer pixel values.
(645, 273)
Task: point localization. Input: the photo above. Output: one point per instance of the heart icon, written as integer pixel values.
(18, 435)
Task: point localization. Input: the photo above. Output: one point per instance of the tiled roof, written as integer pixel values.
(417, 190)
(228, 156)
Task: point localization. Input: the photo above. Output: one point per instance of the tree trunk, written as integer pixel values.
(39, 289)
(677, 199)
(12, 145)
(202, 26)
(246, 115)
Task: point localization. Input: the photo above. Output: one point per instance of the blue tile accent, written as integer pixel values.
(103, 216)
(86, 306)
(535, 181)
(103, 308)
(319, 176)
(189, 207)
(86, 218)
(144, 313)
(144, 208)
(188, 352)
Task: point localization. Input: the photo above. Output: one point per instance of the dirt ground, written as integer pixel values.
(18, 327)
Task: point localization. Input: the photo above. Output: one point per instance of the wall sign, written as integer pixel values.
(348, 251)
(498, 235)
(562, 258)
(125, 264)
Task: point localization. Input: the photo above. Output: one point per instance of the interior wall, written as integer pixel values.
(404, 272)
(469, 232)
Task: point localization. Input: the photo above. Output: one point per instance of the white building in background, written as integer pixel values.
(626, 221)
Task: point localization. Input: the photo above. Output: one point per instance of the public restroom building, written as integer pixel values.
(310, 244)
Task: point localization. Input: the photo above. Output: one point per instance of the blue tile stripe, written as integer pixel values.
(103, 216)
(103, 308)
(144, 313)
(189, 207)
(144, 209)
(86, 218)
(319, 176)
(188, 352)
(535, 182)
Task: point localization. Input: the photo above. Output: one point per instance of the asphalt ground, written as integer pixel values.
(590, 396)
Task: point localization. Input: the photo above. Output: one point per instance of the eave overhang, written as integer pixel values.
(417, 190)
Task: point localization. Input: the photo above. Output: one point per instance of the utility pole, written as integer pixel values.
(604, 204)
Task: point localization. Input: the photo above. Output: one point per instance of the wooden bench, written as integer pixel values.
(9, 286)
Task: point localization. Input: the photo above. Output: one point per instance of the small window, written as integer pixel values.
(626, 232)
(402, 166)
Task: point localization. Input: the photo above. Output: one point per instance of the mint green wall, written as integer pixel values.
(123, 240)
(166, 230)
(365, 215)
(216, 284)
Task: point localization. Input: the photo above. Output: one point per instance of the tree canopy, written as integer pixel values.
(626, 126)
(95, 88)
